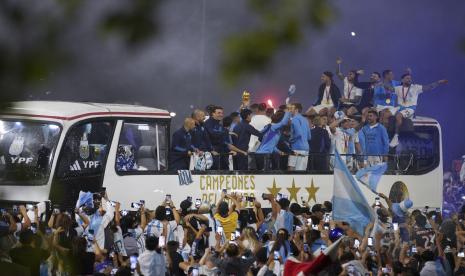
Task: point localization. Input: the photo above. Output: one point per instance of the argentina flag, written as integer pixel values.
(371, 175)
(85, 199)
(349, 203)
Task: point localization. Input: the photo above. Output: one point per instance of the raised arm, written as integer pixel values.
(143, 218)
(433, 85)
(338, 69)
(117, 213)
(27, 221)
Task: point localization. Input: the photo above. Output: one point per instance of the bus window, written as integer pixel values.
(142, 147)
(26, 151)
(418, 151)
(85, 149)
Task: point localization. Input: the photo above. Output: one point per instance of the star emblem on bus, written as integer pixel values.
(312, 191)
(293, 190)
(274, 190)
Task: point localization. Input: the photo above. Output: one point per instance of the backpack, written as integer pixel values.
(130, 244)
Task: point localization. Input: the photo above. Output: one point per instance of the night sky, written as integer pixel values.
(178, 69)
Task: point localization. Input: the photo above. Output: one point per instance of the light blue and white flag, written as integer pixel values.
(349, 203)
(371, 175)
(185, 177)
(85, 198)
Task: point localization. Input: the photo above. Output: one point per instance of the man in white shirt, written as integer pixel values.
(152, 262)
(407, 98)
(352, 94)
(259, 121)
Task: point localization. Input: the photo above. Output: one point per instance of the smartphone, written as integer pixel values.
(29, 207)
(161, 241)
(56, 211)
(326, 226)
(189, 198)
(219, 230)
(34, 227)
(224, 191)
(461, 254)
(168, 197)
(298, 228)
(195, 271)
(279, 196)
(90, 237)
(386, 270)
(238, 234)
(133, 260)
(370, 241)
(414, 249)
(142, 201)
(276, 255)
(438, 210)
(356, 243)
(395, 226)
(48, 231)
(167, 211)
(136, 205)
(309, 221)
(315, 226)
(265, 196)
(113, 203)
(377, 203)
(327, 218)
(113, 271)
(124, 213)
(198, 202)
(306, 248)
(233, 236)
(433, 217)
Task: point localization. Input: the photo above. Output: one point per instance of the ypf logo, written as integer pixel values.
(76, 166)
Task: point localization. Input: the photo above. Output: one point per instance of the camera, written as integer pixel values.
(136, 205)
(377, 203)
(250, 198)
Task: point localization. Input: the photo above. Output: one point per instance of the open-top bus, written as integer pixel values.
(52, 150)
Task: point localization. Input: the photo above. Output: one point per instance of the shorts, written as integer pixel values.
(299, 162)
(391, 108)
(407, 112)
(320, 107)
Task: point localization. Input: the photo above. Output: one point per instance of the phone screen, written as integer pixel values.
(161, 241)
(356, 243)
(233, 236)
(220, 230)
(198, 202)
(168, 198)
(395, 225)
(276, 255)
(279, 196)
(133, 260)
(370, 241)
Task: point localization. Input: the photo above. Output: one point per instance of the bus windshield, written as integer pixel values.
(26, 151)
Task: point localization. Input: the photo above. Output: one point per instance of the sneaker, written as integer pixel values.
(394, 141)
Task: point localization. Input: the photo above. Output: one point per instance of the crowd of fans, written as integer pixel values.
(199, 238)
(365, 119)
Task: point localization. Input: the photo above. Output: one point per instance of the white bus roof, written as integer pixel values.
(68, 111)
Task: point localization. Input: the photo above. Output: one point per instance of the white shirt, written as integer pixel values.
(155, 228)
(258, 122)
(119, 242)
(341, 141)
(140, 238)
(99, 236)
(408, 96)
(350, 91)
(326, 100)
(152, 264)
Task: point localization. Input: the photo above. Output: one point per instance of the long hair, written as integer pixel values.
(281, 238)
(249, 234)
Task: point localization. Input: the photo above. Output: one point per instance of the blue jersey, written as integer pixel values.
(271, 134)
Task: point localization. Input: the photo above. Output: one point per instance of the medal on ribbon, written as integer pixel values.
(84, 147)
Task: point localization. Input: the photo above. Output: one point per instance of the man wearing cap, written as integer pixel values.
(328, 97)
(343, 137)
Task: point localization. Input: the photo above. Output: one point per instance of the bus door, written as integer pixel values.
(81, 164)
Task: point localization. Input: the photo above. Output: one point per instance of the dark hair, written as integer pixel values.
(356, 75)
(254, 106)
(223, 209)
(282, 107)
(295, 209)
(298, 106)
(328, 74)
(378, 74)
(216, 107)
(281, 240)
(26, 236)
(79, 246)
(284, 203)
(404, 75)
(234, 114)
(328, 206)
(386, 72)
(346, 257)
(227, 121)
(210, 109)
(277, 117)
(261, 107)
(232, 250)
(151, 243)
(427, 256)
(160, 213)
(245, 113)
(261, 255)
(372, 111)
